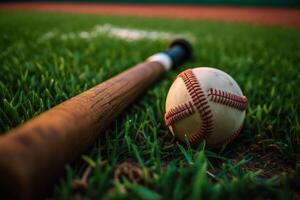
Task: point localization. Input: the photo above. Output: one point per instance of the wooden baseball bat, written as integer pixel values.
(35, 153)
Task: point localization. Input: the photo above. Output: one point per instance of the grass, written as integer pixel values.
(36, 75)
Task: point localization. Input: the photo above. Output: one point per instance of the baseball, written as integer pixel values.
(205, 104)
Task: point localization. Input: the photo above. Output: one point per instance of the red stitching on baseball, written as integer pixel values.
(178, 113)
(201, 103)
(199, 136)
(227, 98)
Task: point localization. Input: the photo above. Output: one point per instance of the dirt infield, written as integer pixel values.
(265, 16)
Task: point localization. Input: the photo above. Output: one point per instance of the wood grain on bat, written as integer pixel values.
(42, 146)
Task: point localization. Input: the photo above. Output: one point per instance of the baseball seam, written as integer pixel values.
(178, 113)
(228, 99)
(201, 103)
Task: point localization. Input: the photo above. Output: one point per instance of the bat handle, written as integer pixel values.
(178, 51)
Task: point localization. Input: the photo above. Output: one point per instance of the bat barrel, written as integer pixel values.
(33, 154)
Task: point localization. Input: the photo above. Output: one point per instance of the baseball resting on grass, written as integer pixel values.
(205, 104)
(49, 141)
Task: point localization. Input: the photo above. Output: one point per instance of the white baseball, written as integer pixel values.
(205, 104)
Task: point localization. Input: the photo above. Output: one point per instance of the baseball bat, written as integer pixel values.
(34, 154)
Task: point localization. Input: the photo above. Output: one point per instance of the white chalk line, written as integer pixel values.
(128, 34)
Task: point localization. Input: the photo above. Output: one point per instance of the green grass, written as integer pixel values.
(37, 75)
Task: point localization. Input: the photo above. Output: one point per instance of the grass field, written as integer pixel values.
(38, 72)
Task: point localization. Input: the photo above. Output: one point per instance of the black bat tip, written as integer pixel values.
(179, 50)
(185, 44)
